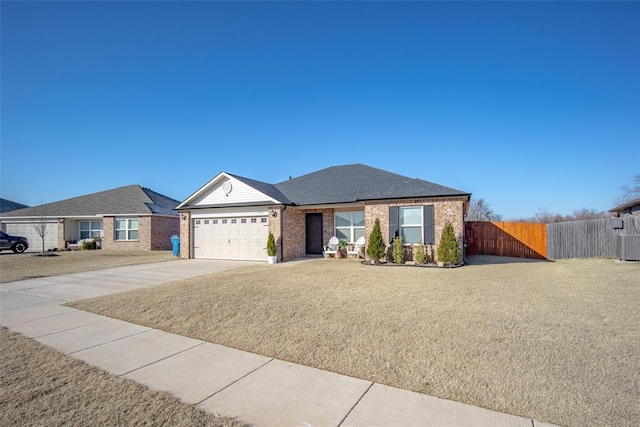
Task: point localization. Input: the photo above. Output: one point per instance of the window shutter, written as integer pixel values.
(394, 223)
(428, 228)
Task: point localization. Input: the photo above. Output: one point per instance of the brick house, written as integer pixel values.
(124, 218)
(230, 216)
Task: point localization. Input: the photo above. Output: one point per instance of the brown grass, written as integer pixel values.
(557, 342)
(28, 265)
(39, 386)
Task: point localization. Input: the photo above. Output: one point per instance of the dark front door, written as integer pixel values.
(314, 233)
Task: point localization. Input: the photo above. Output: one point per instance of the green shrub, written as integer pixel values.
(376, 246)
(397, 252)
(88, 245)
(271, 245)
(421, 254)
(448, 250)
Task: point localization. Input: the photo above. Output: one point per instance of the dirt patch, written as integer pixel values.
(40, 386)
(28, 265)
(553, 341)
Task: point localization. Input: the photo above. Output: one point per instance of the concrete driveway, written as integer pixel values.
(19, 300)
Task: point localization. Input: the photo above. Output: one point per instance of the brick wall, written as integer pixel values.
(445, 209)
(154, 233)
(294, 230)
(185, 235)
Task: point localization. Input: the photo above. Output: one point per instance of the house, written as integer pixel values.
(632, 207)
(126, 218)
(8, 206)
(230, 216)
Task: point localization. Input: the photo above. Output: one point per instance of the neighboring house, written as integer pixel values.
(125, 218)
(230, 216)
(8, 206)
(630, 208)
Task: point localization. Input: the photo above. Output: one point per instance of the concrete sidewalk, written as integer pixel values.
(254, 389)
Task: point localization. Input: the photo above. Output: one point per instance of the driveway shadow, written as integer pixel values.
(494, 259)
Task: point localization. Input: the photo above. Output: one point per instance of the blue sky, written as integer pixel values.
(529, 105)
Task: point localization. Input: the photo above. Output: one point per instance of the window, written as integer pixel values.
(413, 223)
(349, 225)
(215, 221)
(263, 220)
(206, 221)
(254, 220)
(224, 221)
(127, 229)
(90, 229)
(243, 221)
(233, 221)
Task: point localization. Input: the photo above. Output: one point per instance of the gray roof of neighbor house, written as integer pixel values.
(358, 182)
(8, 205)
(128, 200)
(626, 206)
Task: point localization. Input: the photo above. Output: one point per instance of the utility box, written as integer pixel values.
(628, 247)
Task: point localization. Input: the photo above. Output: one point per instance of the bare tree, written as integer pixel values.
(630, 192)
(41, 228)
(482, 211)
(585, 213)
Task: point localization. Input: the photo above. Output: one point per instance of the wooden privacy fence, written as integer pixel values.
(513, 239)
(594, 238)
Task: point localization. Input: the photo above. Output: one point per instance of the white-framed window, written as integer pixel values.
(411, 224)
(90, 229)
(127, 228)
(349, 225)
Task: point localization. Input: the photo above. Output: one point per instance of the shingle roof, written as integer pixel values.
(358, 182)
(8, 205)
(128, 200)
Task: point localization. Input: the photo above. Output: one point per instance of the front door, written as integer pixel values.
(314, 233)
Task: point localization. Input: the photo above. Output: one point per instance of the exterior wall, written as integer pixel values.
(185, 234)
(445, 209)
(162, 228)
(294, 233)
(148, 239)
(61, 235)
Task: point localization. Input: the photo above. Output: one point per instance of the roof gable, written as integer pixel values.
(128, 200)
(232, 190)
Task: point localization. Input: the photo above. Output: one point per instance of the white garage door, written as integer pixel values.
(240, 238)
(26, 229)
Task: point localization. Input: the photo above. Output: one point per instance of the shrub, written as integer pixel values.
(376, 246)
(398, 250)
(87, 244)
(448, 250)
(421, 254)
(271, 245)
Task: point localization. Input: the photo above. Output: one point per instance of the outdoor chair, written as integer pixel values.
(331, 248)
(358, 248)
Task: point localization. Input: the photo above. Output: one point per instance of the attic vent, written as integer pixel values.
(628, 247)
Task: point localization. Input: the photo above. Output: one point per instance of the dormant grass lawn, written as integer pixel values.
(40, 386)
(27, 266)
(554, 341)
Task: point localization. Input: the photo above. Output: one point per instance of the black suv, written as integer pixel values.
(17, 244)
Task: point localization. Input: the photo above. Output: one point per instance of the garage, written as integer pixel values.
(238, 237)
(26, 229)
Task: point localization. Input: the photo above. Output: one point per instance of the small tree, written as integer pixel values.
(421, 254)
(448, 250)
(41, 229)
(271, 245)
(397, 251)
(376, 246)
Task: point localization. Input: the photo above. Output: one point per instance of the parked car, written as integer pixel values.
(17, 244)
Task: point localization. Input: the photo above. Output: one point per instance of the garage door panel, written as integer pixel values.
(230, 238)
(35, 241)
